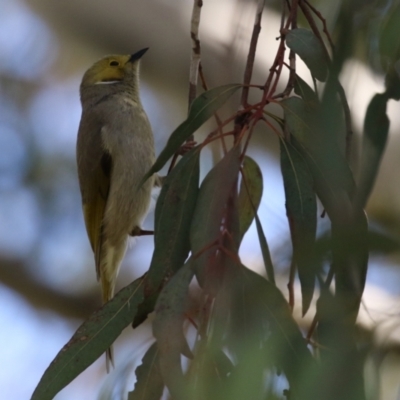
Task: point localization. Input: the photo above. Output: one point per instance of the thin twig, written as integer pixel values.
(323, 20)
(196, 53)
(278, 62)
(196, 50)
(314, 27)
(194, 65)
(252, 53)
(292, 54)
(216, 116)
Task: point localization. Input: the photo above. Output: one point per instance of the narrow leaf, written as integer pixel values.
(168, 330)
(269, 267)
(250, 194)
(149, 384)
(301, 210)
(328, 165)
(302, 89)
(173, 216)
(202, 108)
(90, 341)
(261, 315)
(334, 185)
(211, 203)
(376, 129)
(304, 43)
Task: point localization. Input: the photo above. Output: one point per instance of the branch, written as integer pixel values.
(196, 51)
(252, 53)
(323, 20)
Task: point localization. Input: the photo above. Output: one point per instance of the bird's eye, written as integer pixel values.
(114, 63)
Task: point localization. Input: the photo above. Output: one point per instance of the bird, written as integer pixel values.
(115, 149)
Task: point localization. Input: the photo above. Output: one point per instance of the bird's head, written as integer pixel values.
(113, 69)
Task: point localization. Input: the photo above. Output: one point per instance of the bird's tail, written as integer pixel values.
(109, 263)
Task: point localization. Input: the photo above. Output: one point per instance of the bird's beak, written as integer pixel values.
(136, 56)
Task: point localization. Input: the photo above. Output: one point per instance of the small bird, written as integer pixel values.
(115, 148)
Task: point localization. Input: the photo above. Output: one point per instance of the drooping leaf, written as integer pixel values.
(173, 216)
(211, 204)
(269, 267)
(149, 384)
(331, 172)
(209, 370)
(304, 43)
(250, 198)
(261, 317)
(250, 194)
(389, 39)
(90, 341)
(376, 129)
(334, 185)
(301, 210)
(202, 108)
(302, 89)
(167, 327)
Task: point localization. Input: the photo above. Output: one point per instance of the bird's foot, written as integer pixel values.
(140, 232)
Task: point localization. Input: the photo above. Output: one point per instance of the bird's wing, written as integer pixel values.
(94, 208)
(94, 168)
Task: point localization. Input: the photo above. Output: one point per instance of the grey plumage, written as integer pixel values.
(115, 148)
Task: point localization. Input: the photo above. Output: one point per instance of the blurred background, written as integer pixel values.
(47, 276)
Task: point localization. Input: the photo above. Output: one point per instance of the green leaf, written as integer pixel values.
(389, 37)
(149, 384)
(202, 108)
(331, 172)
(250, 196)
(173, 216)
(301, 210)
(211, 204)
(91, 340)
(261, 317)
(269, 267)
(209, 372)
(168, 330)
(334, 185)
(376, 129)
(304, 43)
(302, 89)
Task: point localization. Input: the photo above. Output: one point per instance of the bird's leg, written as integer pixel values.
(137, 231)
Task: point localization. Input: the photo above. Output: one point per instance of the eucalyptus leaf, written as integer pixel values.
(331, 172)
(250, 194)
(269, 267)
(305, 44)
(335, 187)
(90, 341)
(168, 330)
(211, 204)
(261, 317)
(302, 89)
(149, 384)
(376, 130)
(202, 108)
(173, 216)
(301, 210)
